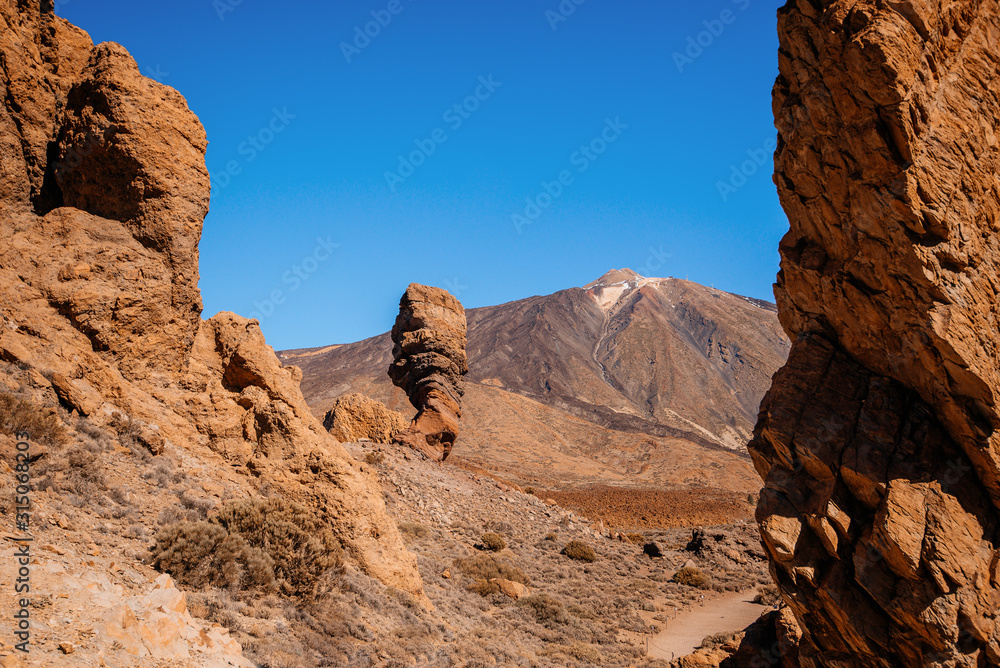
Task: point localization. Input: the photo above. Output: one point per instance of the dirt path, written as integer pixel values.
(732, 612)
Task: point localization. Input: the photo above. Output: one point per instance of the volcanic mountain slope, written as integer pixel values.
(629, 380)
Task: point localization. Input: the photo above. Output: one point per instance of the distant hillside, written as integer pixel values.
(628, 380)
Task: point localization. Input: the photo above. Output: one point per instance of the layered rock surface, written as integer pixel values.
(103, 190)
(428, 364)
(877, 441)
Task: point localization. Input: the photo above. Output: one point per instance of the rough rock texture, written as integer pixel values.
(355, 416)
(102, 193)
(770, 642)
(877, 441)
(159, 626)
(428, 364)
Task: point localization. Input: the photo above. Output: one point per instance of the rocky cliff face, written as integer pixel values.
(877, 441)
(103, 190)
(428, 362)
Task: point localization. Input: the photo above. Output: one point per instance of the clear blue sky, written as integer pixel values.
(309, 138)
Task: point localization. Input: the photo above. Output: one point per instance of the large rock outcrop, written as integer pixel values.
(877, 442)
(428, 364)
(103, 190)
(355, 416)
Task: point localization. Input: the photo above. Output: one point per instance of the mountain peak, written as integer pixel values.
(613, 277)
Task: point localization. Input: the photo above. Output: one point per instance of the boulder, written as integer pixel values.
(652, 549)
(354, 417)
(697, 542)
(514, 590)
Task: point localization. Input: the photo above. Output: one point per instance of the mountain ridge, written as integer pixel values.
(660, 359)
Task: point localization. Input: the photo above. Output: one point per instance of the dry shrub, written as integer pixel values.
(635, 538)
(19, 416)
(301, 545)
(375, 458)
(589, 654)
(547, 610)
(201, 554)
(277, 650)
(484, 587)
(692, 577)
(719, 639)
(493, 542)
(127, 428)
(78, 472)
(482, 568)
(579, 551)
(413, 529)
(250, 544)
(768, 595)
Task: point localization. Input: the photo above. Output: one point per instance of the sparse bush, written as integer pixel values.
(19, 415)
(768, 595)
(719, 639)
(250, 544)
(484, 587)
(493, 542)
(162, 473)
(529, 490)
(301, 545)
(127, 427)
(199, 504)
(547, 610)
(375, 457)
(635, 538)
(589, 654)
(498, 526)
(201, 554)
(579, 551)
(551, 536)
(78, 472)
(413, 529)
(691, 577)
(485, 567)
(122, 496)
(174, 514)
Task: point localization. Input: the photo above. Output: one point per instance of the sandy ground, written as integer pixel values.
(732, 612)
